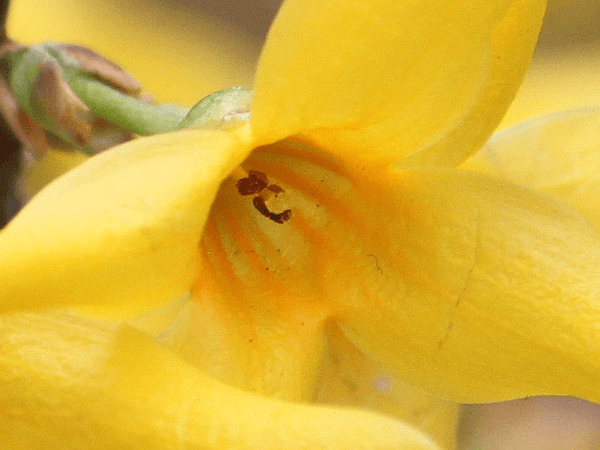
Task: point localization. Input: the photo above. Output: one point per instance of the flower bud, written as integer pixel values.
(46, 112)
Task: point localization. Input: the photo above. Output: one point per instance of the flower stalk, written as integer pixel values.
(123, 110)
(65, 88)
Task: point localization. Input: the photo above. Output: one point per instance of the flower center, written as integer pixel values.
(255, 182)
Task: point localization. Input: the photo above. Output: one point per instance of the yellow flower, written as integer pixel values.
(469, 287)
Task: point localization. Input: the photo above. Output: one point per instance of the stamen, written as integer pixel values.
(261, 207)
(254, 182)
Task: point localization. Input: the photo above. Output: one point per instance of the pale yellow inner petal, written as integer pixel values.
(273, 346)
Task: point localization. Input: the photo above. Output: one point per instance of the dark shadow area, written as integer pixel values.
(10, 149)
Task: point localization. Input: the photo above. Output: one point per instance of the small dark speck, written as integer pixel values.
(376, 262)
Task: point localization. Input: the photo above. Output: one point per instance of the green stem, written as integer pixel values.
(125, 111)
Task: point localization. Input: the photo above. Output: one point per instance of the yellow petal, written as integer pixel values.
(158, 320)
(68, 383)
(513, 41)
(381, 80)
(483, 291)
(270, 345)
(122, 230)
(558, 154)
(465, 286)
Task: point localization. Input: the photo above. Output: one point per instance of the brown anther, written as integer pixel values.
(261, 207)
(281, 217)
(257, 182)
(261, 176)
(254, 183)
